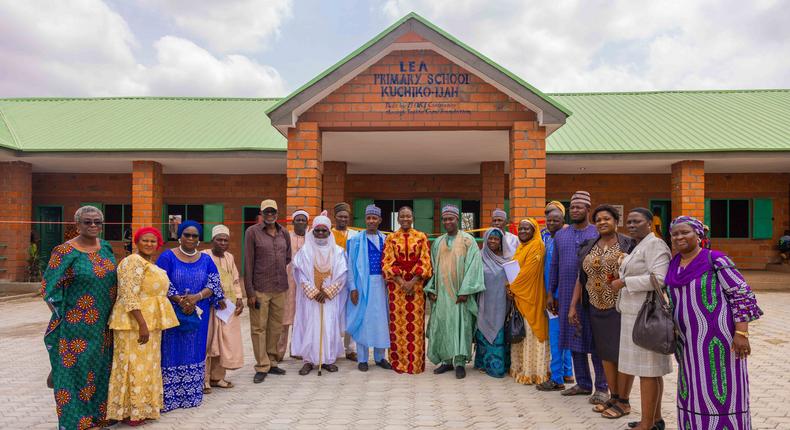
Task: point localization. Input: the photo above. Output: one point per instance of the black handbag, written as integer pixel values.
(654, 328)
(515, 331)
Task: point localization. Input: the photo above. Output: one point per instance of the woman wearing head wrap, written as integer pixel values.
(140, 314)
(224, 351)
(530, 357)
(713, 306)
(320, 273)
(493, 352)
(79, 286)
(406, 265)
(195, 287)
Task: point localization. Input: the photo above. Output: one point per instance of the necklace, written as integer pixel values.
(685, 261)
(186, 253)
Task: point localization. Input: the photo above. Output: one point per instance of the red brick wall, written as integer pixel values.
(688, 188)
(492, 175)
(334, 186)
(147, 194)
(71, 190)
(527, 170)
(235, 191)
(304, 169)
(749, 253)
(637, 190)
(359, 103)
(15, 205)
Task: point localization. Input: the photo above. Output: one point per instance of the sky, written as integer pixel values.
(268, 48)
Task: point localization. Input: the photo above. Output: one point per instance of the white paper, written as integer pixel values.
(511, 270)
(225, 314)
(551, 315)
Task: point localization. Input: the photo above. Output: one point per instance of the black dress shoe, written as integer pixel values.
(363, 367)
(276, 371)
(330, 367)
(384, 364)
(306, 369)
(659, 425)
(442, 369)
(259, 377)
(460, 372)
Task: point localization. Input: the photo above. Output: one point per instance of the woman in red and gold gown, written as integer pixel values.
(406, 266)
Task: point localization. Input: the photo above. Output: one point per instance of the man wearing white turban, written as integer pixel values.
(320, 272)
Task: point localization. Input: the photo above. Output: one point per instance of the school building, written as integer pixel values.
(415, 117)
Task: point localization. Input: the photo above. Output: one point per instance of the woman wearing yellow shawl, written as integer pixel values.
(530, 357)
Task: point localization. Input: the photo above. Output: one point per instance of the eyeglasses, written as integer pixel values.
(190, 235)
(96, 222)
(269, 211)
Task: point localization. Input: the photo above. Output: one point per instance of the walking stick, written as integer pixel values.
(321, 341)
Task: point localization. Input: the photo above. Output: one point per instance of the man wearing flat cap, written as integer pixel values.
(367, 313)
(457, 278)
(564, 272)
(267, 252)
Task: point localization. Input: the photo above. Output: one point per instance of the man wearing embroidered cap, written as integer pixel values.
(267, 252)
(224, 350)
(342, 234)
(564, 272)
(320, 273)
(457, 276)
(299, 220)
(366, 311)
(499, 220)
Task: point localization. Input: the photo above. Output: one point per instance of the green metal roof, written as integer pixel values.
(138, 124)
(674, 121)
(434, 27)
(677, 121)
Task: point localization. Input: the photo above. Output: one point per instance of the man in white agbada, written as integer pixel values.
(320, 273)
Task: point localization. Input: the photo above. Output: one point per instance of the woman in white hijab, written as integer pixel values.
(320, 274)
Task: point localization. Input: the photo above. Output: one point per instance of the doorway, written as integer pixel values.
(663, 210)
(50, 230)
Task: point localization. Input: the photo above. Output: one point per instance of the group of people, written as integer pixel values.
(330, 292)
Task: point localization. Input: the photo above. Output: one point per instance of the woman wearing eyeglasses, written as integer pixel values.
(79, 286)
(194, 287)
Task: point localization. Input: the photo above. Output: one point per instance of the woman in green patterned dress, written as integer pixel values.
(79, 287)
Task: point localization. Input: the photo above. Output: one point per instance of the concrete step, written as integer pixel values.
(782, 268)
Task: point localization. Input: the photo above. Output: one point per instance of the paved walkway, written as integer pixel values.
(377, 399)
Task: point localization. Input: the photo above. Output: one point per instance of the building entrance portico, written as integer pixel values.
(416, 101)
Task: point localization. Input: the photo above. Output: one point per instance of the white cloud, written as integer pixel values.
(64, 48)
(183, 68)
(228, 25)
(84, 48)
(574, 45)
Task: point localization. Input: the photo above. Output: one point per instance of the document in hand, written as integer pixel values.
(225, 314)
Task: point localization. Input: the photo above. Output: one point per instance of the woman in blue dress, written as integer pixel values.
(194, 287)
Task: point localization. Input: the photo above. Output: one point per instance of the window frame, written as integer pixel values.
(749, 212)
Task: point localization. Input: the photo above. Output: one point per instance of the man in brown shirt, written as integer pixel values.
(267, 252)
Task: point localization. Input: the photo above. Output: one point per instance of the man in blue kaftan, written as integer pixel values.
(367, 309)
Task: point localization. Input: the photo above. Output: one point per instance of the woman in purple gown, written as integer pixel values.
(713, 306)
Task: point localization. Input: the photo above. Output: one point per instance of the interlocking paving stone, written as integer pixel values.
(378, 398)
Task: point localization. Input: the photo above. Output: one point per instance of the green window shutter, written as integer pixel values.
(165, 230)
(763, 219)
(423, 215)
(706, 218)
(444, 202)
(359, 211)
(507, 207)
(212, 215)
